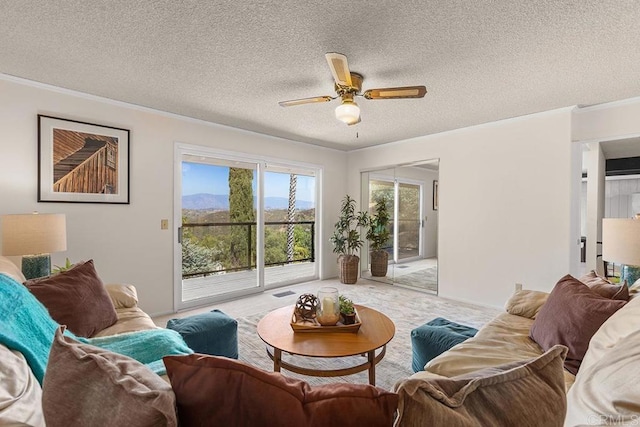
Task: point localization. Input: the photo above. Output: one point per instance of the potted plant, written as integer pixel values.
(377, 235)
(346, 239)
(347, 311)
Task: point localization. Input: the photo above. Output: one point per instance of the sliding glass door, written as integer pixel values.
(218, 230)
(243, 226)
(290, 226)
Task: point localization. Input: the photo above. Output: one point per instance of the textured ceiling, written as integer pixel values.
(230, 62)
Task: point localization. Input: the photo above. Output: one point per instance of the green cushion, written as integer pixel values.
(434, 338)
(212, 333)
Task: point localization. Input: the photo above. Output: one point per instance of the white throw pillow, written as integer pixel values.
(20, 393)
(608, 391)
(622, 323)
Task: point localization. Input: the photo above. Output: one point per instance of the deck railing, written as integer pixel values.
(249, 262)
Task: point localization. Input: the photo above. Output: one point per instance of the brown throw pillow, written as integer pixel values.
(89, 386)
(604, 287)
(76, 298)
(227, 392)
(570, 317)
(525, 393)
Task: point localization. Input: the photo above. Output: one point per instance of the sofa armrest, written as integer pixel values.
(526, 303)
(122, 295)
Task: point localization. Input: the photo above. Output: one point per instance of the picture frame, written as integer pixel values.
(435, 194)
(80, 162)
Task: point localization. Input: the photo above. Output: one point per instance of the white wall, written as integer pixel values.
(504, 205)
(126, 241)
(604, 122)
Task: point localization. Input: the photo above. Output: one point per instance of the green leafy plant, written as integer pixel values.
(346, 237)
(346, 305)
(59, 269)
(378, 231)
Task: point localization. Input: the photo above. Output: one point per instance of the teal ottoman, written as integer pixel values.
(434, 338)
(212, 333)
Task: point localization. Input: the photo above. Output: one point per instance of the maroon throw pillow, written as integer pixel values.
(570, 317)
(227, 392)
(76, 298)
(604, 287)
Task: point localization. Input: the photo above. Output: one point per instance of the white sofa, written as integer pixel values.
(20, 392)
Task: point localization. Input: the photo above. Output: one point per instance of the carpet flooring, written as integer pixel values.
(405, 307)
(426, 278)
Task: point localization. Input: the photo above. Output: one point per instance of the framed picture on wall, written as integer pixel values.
(435, 195)
(82, 162)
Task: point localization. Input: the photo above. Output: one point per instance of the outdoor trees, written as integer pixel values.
(241, 210)
(208, 246)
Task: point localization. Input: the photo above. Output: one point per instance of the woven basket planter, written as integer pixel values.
(348, 268)
(379, 263)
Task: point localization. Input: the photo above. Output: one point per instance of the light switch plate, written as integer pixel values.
(164, 224)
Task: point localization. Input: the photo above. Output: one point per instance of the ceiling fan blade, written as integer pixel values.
(339, 68)
(315, 99)
(396, 92)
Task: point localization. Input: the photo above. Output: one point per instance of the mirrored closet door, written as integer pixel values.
(406, 195)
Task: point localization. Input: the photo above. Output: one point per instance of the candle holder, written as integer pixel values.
(328, 310)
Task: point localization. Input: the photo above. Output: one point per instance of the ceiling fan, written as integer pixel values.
(349, 85)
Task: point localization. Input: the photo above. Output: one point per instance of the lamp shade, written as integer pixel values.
(621, 241)
(31, 234)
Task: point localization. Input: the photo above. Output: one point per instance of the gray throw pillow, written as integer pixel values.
(526, 393)
(89, 386)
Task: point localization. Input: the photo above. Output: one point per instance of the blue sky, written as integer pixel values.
(201, 178)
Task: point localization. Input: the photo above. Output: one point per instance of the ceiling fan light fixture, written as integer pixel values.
(348, 112)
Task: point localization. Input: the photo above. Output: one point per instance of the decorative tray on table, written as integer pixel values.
(298, 324)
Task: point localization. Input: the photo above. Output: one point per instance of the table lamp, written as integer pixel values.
(621, 244)
(34, 236)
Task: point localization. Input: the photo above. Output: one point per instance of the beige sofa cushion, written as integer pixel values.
(129, 320)
(20, 393)
(504, 339)
(122, 295)
(526, 303)
(10, 269)
(524, 393)
(607, 392)
(130, 317)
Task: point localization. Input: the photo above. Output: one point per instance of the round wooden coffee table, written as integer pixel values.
(374, 333)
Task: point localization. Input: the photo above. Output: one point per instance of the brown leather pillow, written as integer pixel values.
(570, 317)
(227, 392)
(604, 287)
(76, 298)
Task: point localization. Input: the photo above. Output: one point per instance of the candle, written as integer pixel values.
(328, 308)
